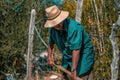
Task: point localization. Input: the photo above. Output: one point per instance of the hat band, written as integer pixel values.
(54, 16)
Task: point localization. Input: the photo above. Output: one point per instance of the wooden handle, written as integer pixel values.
(66, 71)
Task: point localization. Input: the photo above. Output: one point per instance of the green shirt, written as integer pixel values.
(73, 37)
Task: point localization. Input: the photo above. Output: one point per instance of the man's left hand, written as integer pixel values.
(74, 75)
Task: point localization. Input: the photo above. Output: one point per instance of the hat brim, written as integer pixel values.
(51, 23)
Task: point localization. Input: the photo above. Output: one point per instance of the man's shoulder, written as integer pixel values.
(74, 24)
(72, 21)
(51, 30)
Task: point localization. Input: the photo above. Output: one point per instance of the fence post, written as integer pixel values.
(30, 43)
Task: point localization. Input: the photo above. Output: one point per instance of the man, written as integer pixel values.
(73, 41)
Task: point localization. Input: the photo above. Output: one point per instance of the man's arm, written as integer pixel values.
(50, 55)
(75, 58)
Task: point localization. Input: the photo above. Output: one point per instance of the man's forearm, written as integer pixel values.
(75, 58)
(50, 57)
(50, 49)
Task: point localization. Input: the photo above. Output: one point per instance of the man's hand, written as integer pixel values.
(50, 58)
(74, 75)
(75, 58)
(50, 61)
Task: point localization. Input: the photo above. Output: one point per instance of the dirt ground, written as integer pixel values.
(51, 76)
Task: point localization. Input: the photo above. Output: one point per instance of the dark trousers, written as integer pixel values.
(88, 75)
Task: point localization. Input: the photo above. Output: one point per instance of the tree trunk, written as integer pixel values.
(114, 65)
(79, 10)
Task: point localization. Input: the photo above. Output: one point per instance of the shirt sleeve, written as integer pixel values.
(50, 38)
(75, 39)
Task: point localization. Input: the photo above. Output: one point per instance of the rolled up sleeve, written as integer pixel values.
(75, 40)
(50, 38)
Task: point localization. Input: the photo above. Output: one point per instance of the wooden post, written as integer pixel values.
(30, 43)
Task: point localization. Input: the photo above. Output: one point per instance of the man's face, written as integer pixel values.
(59, 26)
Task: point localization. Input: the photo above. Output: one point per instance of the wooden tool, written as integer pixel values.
(66, 71)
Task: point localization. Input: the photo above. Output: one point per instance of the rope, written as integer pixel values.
(39, 36)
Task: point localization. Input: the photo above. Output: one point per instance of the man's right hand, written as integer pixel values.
(50, 61)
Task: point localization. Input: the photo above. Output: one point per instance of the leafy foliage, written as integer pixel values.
(99, 28)
(71, 8)
(14, 25)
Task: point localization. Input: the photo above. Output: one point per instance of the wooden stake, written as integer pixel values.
(30, 43)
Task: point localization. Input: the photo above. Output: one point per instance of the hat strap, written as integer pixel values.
(54, 16)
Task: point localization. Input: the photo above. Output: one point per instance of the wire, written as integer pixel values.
(40, 37)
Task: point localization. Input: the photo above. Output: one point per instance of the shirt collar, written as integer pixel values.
(65, 25)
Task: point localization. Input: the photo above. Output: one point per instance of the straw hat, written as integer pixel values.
(54, 16)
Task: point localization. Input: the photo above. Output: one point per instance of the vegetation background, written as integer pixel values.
(14, 26)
